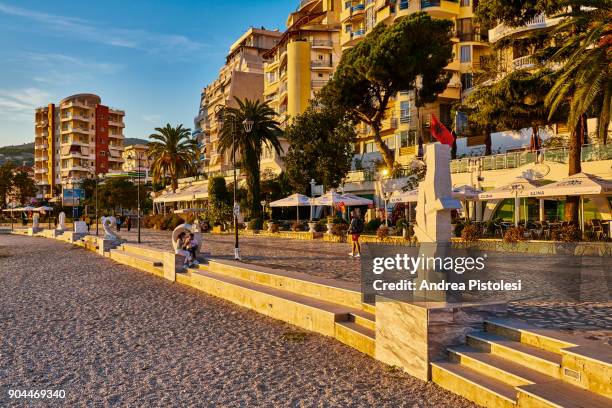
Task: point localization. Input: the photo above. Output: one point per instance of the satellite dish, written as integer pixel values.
(537, 172)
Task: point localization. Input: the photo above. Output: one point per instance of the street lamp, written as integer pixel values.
(312, 186)
(137, 157)
(263, 208)
(248, 127)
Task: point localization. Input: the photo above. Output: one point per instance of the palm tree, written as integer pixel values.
(173, 153)
(249, 145)
(584, 39)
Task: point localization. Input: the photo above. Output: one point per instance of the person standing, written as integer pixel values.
(355, 229)
(118, 224)
(128, 223)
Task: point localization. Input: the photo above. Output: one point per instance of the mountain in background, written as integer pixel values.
(25, 152)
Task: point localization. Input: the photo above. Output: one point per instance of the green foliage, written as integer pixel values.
(6, 181)
(382, 232)
(517, 101)
(339, 229)
(116, 193)
(320, 148)
(173, 153)
(515, 12)
(219, 210)
(264, 134)
(515, 234)
(470, 233)
(458, 229)
(255, 224)
(372, 225)
(409, 54)
(24, 187)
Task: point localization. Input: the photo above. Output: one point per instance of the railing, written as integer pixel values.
(528, 61)
(318, 83)
(322, 43)
(473, 36)
(325, 64)
(516, 159)
(358, 7)
(539, 21)
(305, 2)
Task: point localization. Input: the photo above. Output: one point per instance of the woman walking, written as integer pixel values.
(355, 229)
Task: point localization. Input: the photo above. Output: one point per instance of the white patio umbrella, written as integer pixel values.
(580, 184)
(513, 189)
(330, 199)
(355, 200)
(294, 200)
(466, 193)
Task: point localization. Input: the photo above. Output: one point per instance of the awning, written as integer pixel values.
(516, 188)
(190, 193)
(581, 184)
(404, 196)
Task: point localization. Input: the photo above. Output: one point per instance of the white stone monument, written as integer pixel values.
(61, 221)
(35, 226)
(435, 202)
(108, 224)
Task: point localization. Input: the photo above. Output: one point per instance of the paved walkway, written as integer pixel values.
(543, 275)
(110, 335)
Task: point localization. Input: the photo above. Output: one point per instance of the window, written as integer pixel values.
(466, 53)
(467, 80)
(369, 147)
(407, 138)
(465, 3)
(347, 28)
(390, 142)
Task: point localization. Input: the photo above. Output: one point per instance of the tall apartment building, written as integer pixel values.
(242, 76)
(76, 139)
(400, 127)
(304, 59)
(136, 159)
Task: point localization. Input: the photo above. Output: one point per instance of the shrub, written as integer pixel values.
(255, 224)
(515, 234)
(470, 233)
(459, 228)
(382, 232)
(321, 226)
(173, 221)
(297, 226)
(372, 225)
(275, 227)
(400, 225)
(567, 233)
(339, 229)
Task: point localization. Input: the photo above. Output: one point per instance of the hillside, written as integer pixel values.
(25, 152)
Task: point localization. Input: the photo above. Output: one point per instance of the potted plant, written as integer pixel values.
(330, 224)
(272, 226)
(312, 226)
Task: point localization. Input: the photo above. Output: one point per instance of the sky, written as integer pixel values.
(149, 58)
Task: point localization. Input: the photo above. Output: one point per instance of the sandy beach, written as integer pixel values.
(110, 335)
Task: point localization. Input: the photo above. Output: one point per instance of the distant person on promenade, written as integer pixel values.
(118, 224)
(355, 229)
(128, 223)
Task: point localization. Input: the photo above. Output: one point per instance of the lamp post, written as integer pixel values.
(312, 186)
(248, 127)
(384, 173)
(137, 157)
(263, 208)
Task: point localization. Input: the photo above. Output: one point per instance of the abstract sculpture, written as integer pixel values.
(435, 202)
(108, 223)
(61, 221)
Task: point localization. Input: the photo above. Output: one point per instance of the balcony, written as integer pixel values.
(441, 8)
(318, 83)
(322, 43)
(474, 36)
(513, 160)
(321, 64)
(42, 170)
(538, 22)
(526, 62)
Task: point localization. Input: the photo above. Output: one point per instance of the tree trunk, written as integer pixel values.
(383, 149)
(255, 194)
(488, 149)
(572, 203)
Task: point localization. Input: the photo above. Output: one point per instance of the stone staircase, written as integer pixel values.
(305, 301)
(316, 304)
(511, 364)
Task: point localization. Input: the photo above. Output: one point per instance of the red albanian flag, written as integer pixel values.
(440, 132)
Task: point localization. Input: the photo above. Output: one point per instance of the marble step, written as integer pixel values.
(546, 339)
(473, 385)
(494, 366)
(328, 290)
(356, 336)
(141, 262)
(364, 319)
(531, 357)
(559, 394)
